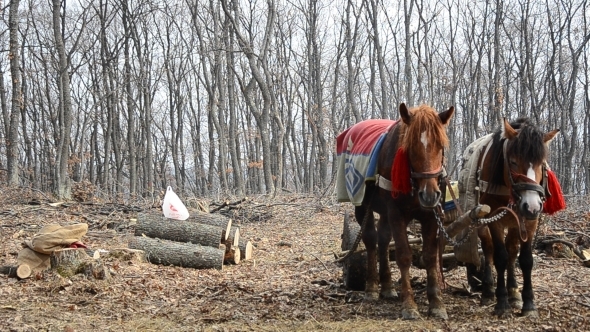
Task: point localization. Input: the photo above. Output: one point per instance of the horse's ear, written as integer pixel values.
(405, 113)
(446, 115)
(507, 131)
(550, 136)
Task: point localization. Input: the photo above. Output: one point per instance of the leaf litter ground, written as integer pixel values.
(291, 284)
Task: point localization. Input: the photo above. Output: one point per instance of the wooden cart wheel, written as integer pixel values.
(354, 269)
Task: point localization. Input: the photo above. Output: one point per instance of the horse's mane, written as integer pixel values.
(528, 145)
(424, 119)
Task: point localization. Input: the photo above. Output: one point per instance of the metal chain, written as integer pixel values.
(475, 224)
(443, 231)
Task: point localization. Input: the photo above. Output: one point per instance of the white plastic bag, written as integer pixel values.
(173, 207)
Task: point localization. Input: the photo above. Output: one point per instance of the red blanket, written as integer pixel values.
(358, 150)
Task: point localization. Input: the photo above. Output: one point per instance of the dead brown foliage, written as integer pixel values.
(292, 284)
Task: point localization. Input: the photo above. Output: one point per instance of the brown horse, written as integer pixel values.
(409, 173)
(513, 182)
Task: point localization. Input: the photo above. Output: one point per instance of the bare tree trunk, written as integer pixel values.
(351, 40)
(132, 151)
(257, 63)
(408, 7)
(498, 92)
(63, 189)
(17, 97)
(234, 138)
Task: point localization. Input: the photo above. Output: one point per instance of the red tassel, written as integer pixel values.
(400, 174)
(556, 202)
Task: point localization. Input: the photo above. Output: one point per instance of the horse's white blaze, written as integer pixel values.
(532, 197)
(530, 173)
(424, 140)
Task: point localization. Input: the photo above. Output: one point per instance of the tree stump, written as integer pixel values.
(245, 249)
(68, 262)
(156, 226)
(354, 268)
(166, 252)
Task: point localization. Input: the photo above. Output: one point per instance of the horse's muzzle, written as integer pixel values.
(429, 200)
(530, 211)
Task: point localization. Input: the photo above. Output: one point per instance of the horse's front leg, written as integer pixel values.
(369, 237)
(525, 260)
(430, 254)
(384, 238)
(502, 307)
(403, 258)
(512, 246)
(487, 281)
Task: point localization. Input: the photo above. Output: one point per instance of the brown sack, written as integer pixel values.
(35, 260)
(52, 237)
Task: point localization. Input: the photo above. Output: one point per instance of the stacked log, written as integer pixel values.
(202, 241)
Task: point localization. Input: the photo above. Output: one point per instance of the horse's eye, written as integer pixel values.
(513, 163)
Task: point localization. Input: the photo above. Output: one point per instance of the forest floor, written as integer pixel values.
(291, 284)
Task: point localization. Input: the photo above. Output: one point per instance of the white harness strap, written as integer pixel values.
(382, 182)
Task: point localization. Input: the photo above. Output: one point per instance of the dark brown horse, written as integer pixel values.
(409, 173)
(513, 182)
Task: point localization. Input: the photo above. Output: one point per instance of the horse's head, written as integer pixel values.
(424, 139)
(525, 153)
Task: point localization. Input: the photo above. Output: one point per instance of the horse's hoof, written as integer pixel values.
(515, 303)
(530, 313)
(388, 294)
(514, 298)
(410, 314)
(503, 312)
(371, 296)
(485, 301)
(440, 313)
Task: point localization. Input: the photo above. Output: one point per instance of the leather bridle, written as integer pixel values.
(524, 182)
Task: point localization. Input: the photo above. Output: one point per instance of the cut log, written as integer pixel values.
(451, 255)
(23, 271)
(232, 256)
(166, 252)
(68, 262)
(155, 226)
(466, 219)
(211, 219)
(9, 270)
(245, 249)
(361, 248)
(233, 240)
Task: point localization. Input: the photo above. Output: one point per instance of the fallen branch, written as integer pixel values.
(572, 246)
